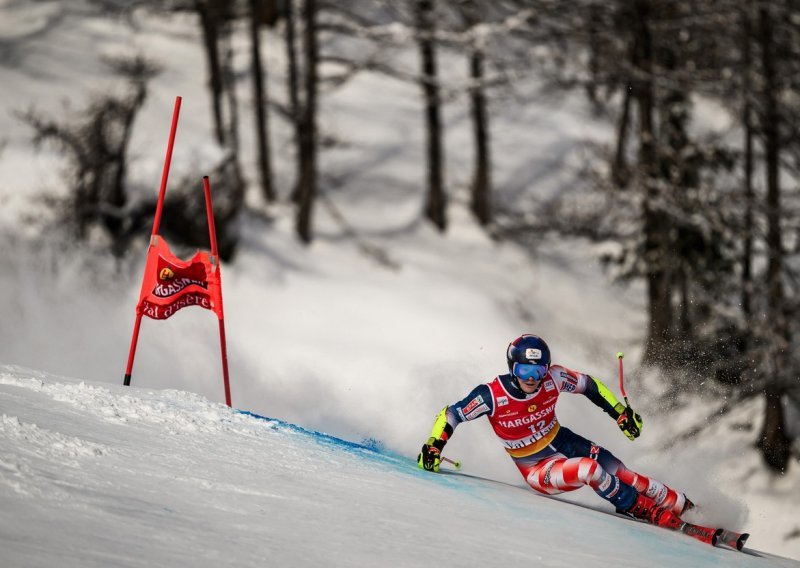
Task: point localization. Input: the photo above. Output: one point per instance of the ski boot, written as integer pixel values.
(646, 509)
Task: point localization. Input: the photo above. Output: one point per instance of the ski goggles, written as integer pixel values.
(527, 372)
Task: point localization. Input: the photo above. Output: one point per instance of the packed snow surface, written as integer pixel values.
(100, 475)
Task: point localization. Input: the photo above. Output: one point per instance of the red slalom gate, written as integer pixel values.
(170, 283)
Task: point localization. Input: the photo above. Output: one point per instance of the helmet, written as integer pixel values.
(531, 356)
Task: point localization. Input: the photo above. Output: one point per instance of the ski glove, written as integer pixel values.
(430, 456)
(628, 421)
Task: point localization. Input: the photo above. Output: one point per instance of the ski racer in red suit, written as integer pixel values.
(520, 407)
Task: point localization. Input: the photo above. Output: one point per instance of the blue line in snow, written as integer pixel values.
(369, 447)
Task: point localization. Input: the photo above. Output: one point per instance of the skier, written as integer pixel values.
(520, 407)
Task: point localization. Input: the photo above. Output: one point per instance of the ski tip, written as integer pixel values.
(734, 539)
(741, 540)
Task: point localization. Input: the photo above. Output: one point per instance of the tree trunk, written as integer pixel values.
(593, 45)
(481, 183)
(619, 172)
(291, 62)
(659, 287)
(747, 121)
(210, 15)
(229, 90)
(307, 185)
(684, 314)
(774, 443)
(118, 196)
(264, 164)
(292, 84)
(435, 207)
(772, 146)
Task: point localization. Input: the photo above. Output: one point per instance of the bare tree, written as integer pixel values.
(749, 197)
(96, 145)
(307, 183)
(292, 82)
(480, 202)
(211, 14)
(436, 202)
(260, 99)
(773, 442)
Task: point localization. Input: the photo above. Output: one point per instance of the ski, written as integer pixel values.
(715, 536)
(708, 535)
(732, 539)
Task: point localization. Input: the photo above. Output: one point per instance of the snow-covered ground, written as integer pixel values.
(102, 475)
(322, 337)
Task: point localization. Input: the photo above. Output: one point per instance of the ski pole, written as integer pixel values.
(620, 355)
(632, 416)
(456, 464)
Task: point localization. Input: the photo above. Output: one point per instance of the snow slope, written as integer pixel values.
(101, 475)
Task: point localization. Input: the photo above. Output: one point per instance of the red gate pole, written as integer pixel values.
(156, 222)
(212, 235)
(224, 350)
(167, 160)
(212, 230)
(132, 352)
